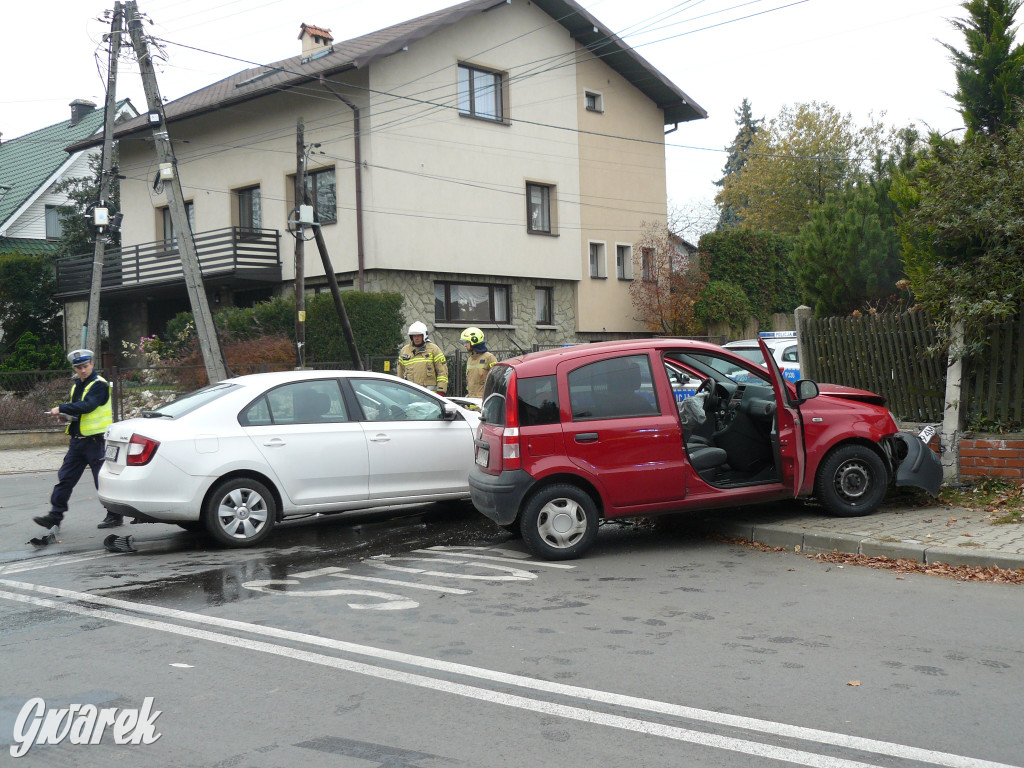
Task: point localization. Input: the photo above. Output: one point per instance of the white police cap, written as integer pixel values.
(80, 356)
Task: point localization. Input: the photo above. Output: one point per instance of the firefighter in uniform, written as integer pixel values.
(479, 362)
(88, 414)
(422, 362)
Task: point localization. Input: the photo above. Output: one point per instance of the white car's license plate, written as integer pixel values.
(111, 454)
(482, 455)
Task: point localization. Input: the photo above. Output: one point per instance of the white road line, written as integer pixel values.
(410, 584)
(498, 558)
(51, 561)
(511, 554)
(510, 573)
(318, 572)
(635, 725)
(650, 705)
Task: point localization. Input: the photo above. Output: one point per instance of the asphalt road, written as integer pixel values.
(434, 640)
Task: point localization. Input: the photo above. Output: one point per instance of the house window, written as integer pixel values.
(593, 101)
(597, 268)
(464, 302)
(168, 225)
(321, 193)
(250, 209)
(542, 302)
(624, 262)
(647, 265)
(480, 93)
(538, 208)
(54, 223)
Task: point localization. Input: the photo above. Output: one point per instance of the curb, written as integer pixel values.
(820, 543)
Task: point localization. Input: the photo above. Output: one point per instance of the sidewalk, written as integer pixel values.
(933, 534)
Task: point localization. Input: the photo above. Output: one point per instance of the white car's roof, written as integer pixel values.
(273, 378)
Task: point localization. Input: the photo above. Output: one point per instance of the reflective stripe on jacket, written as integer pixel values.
(478, 365)
(424, 365)
(96, 421)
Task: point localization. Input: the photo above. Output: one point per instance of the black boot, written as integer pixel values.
(111, 521)
(49, 520)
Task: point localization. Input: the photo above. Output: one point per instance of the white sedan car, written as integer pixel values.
(238, 456)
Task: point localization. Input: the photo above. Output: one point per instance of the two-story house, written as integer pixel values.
(33, 165)
(493, 162)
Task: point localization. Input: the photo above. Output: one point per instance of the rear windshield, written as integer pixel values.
(538, 401)
(192, 400)
(492, 411)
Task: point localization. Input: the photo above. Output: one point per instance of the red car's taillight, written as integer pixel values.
(141, 450)
(510, 454)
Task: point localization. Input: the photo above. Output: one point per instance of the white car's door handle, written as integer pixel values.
(380, 438)
(275, 442)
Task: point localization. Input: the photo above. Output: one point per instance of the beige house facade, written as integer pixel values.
(493, 162)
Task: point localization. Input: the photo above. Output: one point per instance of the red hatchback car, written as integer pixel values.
(573, 435)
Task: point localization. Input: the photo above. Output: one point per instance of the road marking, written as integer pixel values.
(769, 727)
(512, 554)
(318, 572)
(459, 689)
(390, 602)
(497, 558)
(409, 584)
(511, 574)
(52, 560)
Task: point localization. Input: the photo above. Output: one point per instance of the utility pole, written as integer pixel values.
(206, 331)
(339, 305)
(300, 246)
(90, 333)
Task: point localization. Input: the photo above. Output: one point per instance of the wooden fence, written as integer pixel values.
(887, 354)
(994, 388)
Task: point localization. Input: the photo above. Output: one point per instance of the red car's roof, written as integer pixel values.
(543, 363)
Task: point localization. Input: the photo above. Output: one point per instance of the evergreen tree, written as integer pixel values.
(77, 237)
(990, 72)
(737, 158)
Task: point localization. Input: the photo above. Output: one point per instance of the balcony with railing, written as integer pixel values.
(233, 255)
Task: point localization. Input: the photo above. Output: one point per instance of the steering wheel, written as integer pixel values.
(708, 387)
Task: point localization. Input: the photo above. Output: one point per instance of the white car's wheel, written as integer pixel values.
(240, 512)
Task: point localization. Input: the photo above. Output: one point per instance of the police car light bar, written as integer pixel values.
(777, 334)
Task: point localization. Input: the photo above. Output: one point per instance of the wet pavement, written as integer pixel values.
(927, 534)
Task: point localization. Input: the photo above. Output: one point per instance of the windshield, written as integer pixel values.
(193, 400)
(719, 367)
(753, 354)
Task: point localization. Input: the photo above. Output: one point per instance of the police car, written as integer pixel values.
(782, 345)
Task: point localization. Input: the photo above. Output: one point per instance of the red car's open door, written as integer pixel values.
(791, 433)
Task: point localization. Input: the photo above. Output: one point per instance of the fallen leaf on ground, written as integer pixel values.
(854, 682)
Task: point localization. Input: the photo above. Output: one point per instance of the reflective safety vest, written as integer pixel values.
(98, 419)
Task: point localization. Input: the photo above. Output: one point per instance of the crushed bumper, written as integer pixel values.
(919, 465)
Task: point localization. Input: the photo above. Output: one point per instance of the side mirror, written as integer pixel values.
(451, 411)
(806, 390)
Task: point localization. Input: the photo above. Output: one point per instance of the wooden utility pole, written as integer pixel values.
(90, 334)
(339, 305)
(206, 331)
(300, 245)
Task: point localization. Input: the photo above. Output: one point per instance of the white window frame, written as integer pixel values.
(624, 261)
(597, 259)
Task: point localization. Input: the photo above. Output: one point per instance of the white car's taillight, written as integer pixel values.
(141, 450)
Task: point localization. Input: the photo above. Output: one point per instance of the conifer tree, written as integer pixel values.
(737, 158)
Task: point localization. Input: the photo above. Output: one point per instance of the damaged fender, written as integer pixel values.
(920, 466)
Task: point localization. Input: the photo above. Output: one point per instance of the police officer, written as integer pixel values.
(422, 362)
(88, 415)
(479, 362)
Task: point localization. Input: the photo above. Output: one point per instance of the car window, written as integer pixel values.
(789, 355)
(613, 389)
(194, 400)
(302, 402)
(538, 401)
(383, 400)
(492, 408)
(712, 365)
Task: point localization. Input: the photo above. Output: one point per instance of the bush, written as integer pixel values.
(759, 263)
(268, 353)
(30, 354)
(27, 411)
(722, 302)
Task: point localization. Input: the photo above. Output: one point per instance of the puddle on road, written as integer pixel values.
(203, 573)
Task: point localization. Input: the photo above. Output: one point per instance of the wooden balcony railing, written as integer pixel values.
(245, 254)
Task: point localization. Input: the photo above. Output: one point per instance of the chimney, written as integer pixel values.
(79, 109)
(315, 41)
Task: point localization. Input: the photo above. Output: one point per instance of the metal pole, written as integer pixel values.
(90, 334)
(206, 331)
(300, 246)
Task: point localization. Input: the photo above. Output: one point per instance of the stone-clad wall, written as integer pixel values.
(418, 290)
